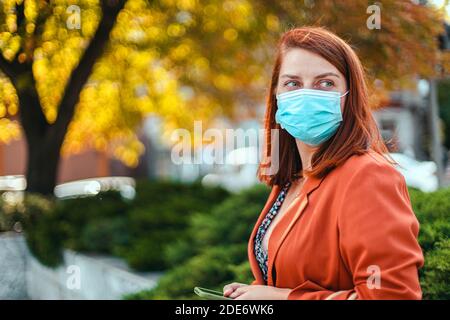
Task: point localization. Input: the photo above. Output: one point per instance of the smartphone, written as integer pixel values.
(210, 294)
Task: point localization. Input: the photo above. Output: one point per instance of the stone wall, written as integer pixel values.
(81, 276)
(13, 253)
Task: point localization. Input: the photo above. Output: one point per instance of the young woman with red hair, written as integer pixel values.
(338, 223)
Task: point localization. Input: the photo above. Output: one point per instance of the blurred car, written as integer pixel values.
(238, 172)
(418, 174)
(91, 187)
(12, 187)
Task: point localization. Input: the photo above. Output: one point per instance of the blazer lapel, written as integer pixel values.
(291, 216)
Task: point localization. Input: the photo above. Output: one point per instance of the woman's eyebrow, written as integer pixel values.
(292, 76)
(326, 74)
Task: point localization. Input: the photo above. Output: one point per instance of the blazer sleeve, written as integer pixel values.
(377, 238)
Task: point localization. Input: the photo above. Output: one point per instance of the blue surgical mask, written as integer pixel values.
(312, 116)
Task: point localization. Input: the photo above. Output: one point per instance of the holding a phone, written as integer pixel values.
(210, 294)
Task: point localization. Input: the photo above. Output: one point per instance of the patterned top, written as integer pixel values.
(260, 253)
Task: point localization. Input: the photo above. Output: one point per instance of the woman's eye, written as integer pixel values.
(291, 83)
(326, 84)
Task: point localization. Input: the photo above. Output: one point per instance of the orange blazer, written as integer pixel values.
(349, 235)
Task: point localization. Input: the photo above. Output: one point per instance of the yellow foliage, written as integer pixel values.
(9, 130)
(8, 97)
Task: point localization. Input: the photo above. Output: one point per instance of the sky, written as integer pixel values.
(443, 4)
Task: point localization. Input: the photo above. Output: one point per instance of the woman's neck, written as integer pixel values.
(306, 152)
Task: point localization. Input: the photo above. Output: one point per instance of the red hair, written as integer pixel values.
(358, 131)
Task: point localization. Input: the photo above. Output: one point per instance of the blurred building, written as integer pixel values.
(232, 174)
(403, 124)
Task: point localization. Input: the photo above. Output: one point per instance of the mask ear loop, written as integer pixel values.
(344, 94)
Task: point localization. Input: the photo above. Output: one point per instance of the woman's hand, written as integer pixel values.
(230, 288)
(257, 292)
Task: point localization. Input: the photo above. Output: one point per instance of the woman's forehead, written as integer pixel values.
(304, 63)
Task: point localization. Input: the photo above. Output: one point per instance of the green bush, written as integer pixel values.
(159, 217)
(212, 267)
(44, 234)
(230, 222)
(105, 235)
(216, 249)
(6, 217)
(436, 275)
(95, 224)
(433, 213)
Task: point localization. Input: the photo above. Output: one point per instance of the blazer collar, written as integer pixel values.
(290, 217)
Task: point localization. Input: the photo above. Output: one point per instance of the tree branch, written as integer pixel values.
(20, 14)
(7, 68)
(13, 69)
(81, 73)
(31, 114)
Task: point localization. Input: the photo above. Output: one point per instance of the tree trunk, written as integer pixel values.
(42, 154)
(42, 165)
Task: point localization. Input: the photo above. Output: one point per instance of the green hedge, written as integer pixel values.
(216, 251)
(37, 213)
(160, 216)
(433, 212)
(213, 259)
(137, 230)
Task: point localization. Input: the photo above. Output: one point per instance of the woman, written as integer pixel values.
(338, 222)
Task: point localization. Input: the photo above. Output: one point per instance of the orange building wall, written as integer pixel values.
(12, 158)
(74, 167)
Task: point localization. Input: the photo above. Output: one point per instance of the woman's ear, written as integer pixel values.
(344, 100)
